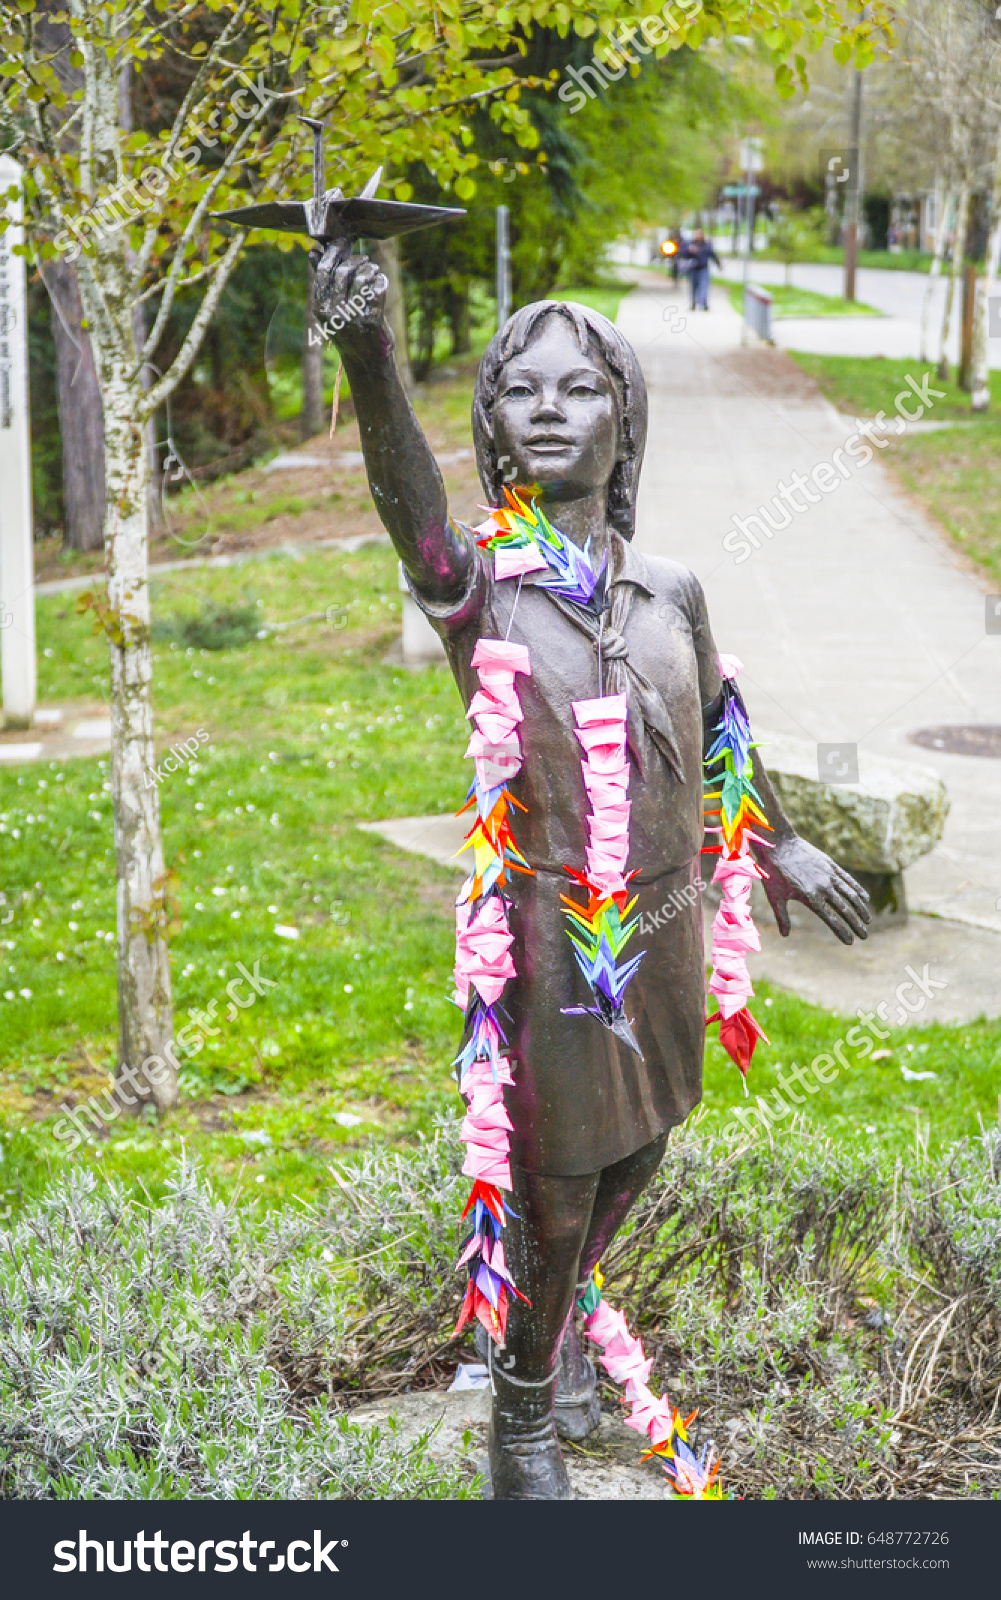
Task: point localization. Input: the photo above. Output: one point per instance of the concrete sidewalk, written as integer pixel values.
(898, 295)
(857, 622)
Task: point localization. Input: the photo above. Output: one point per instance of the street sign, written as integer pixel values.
(752, 158)
(740, 191)
(17, 596)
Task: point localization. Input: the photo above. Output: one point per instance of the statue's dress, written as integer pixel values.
(582, 1099)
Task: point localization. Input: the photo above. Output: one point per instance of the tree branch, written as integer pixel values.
(194, 223)
(161, 391)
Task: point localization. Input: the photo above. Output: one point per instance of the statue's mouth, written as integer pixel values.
(548, 444)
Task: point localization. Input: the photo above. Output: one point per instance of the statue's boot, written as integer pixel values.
(525, 1459)
(577, 1406)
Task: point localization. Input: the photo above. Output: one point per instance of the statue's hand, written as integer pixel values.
(795, 870)
(349, 296)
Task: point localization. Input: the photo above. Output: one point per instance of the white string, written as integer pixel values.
(521, 578)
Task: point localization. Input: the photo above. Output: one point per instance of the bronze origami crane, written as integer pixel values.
(330, 215)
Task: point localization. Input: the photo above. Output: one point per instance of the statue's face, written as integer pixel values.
(556, 417)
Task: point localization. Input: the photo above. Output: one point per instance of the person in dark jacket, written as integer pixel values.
(698, 254)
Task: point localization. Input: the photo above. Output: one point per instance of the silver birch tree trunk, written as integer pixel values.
(145, 1016)
(980, 397)
(145, 1013)
(958, 257)
(941, 235)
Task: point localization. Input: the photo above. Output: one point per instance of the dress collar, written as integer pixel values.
(629, 565)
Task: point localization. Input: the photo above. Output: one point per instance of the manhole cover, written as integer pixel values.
(959, 741)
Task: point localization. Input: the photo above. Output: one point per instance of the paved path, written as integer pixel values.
(857, 622)
(899, 295)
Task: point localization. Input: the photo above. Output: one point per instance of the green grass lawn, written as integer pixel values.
(955, 471)
(834, 255)
(309, 733)
(607, 298)
(789, 301)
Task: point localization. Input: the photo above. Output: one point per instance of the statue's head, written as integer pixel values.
(560, 403)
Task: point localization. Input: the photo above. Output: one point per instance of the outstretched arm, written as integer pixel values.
(350, 293)
(794, 869)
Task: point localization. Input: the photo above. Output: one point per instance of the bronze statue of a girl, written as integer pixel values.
(560, 407)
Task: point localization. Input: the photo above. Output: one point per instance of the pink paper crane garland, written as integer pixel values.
(623, 1358)
(483, 968)
(597, 931)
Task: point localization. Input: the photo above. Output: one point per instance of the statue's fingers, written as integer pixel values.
(850, 913)
(780, 909)
(847, 883)
(826, 911)
(370, 276)
(346, 278)
(326, 266)
(856, 898)
(332, 257)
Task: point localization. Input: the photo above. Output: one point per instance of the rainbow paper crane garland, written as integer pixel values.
(729, 764)
(524, 540)
(690, 1476)
(597, 931)
(483, 967)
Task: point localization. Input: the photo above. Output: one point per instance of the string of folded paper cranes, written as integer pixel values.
(730, 765)
(523, 541)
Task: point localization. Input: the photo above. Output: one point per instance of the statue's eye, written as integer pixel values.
(517, 391)
(578, 390)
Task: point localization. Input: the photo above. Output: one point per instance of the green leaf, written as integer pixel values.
(465, 188)
(842, 52)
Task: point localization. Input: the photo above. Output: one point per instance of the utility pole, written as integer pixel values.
(853, 199)
(17, 592)
(503, 278)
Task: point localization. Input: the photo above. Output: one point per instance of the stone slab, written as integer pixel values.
(893, 815)
(605, 1467)
(20, 752)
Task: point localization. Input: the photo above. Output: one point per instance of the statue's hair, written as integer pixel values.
(595, 336)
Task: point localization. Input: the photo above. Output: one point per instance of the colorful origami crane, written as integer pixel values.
(730, 766)
(524, 540)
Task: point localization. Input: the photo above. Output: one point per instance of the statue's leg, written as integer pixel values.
(619, 1188)
(578, 1409)
(543, 1250)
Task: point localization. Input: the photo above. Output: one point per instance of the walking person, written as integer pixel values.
(699, 253)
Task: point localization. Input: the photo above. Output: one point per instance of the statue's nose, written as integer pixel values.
(548, 409)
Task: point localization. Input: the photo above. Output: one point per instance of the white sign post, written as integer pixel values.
(17, 596)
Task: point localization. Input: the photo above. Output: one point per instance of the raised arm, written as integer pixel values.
(350, 295)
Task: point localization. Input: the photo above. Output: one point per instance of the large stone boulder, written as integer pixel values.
(875, 827)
